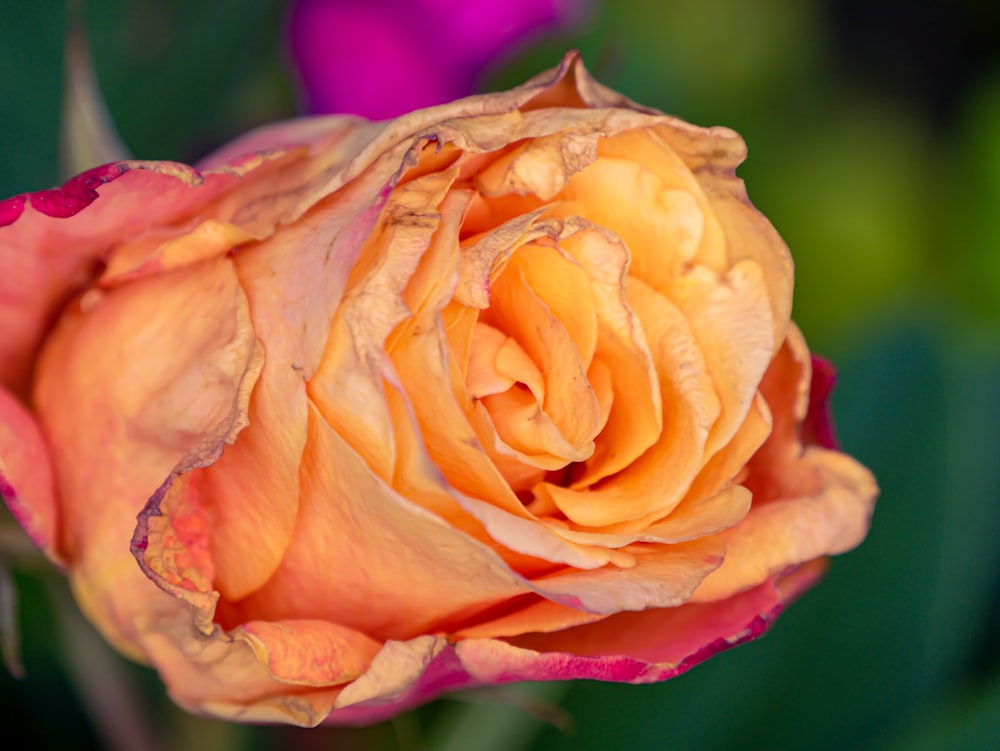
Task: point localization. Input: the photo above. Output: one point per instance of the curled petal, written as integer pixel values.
(120, 421)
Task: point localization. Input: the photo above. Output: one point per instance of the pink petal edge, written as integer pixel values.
(489, 662)
(72, 197)
(818, 427)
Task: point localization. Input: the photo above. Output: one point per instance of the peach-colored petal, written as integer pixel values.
(636, 421)
(662, 217)
(669, 637)
(26, 481)
(370, 539)
(497, 362)
(526, 431)
(309, 652)
(728, 464)
(785, 533)
(541, 165)
(632, 647)
(51, 241)
(749, 235)
(213, 673)
(485, 257)
(536, 615)
(294, 281)
(731, 319)
(565, 289)
(152, 253)
(347, 387)
(693, 518)
(561, 346)
(119, 417)
(656, 481)
(660, 576)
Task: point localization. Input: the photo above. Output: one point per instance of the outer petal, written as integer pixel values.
(26, 481)
(809, 501)
(641, 647)
(51, 241)
(114, 394)
(295, 282)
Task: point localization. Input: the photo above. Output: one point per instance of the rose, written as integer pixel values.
(501, 390)
(348, 54)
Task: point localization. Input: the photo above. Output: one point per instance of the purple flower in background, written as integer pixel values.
(382, 58)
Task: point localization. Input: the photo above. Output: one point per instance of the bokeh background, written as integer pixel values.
(874, 135)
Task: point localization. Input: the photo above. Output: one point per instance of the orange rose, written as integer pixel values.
(501, 390)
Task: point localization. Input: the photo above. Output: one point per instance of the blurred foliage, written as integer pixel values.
(874, 142)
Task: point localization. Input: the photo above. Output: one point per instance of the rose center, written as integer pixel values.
(535, 409)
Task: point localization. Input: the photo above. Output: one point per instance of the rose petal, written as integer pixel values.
(347, 387)
(807, 503)
(347, 515)
(309, 652)
(292, 297)
(521, 304)
(656, 481)
(798, 529)
(120, 420)
(631, 647)
(51, 241)
(636, 421)
(26, 480)
(218, 675)
(497, 362)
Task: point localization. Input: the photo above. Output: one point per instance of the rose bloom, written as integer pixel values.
(349, 54)
(357, 413)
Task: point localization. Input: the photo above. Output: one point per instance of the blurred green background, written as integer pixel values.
(874, 135)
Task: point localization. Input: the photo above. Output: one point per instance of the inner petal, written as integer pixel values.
(570, 402)
(497, 362)
(636, 421)
(522, 424)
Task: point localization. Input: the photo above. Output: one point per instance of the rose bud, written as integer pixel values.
(357, 413)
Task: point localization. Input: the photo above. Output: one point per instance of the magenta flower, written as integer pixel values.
(382, 58)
